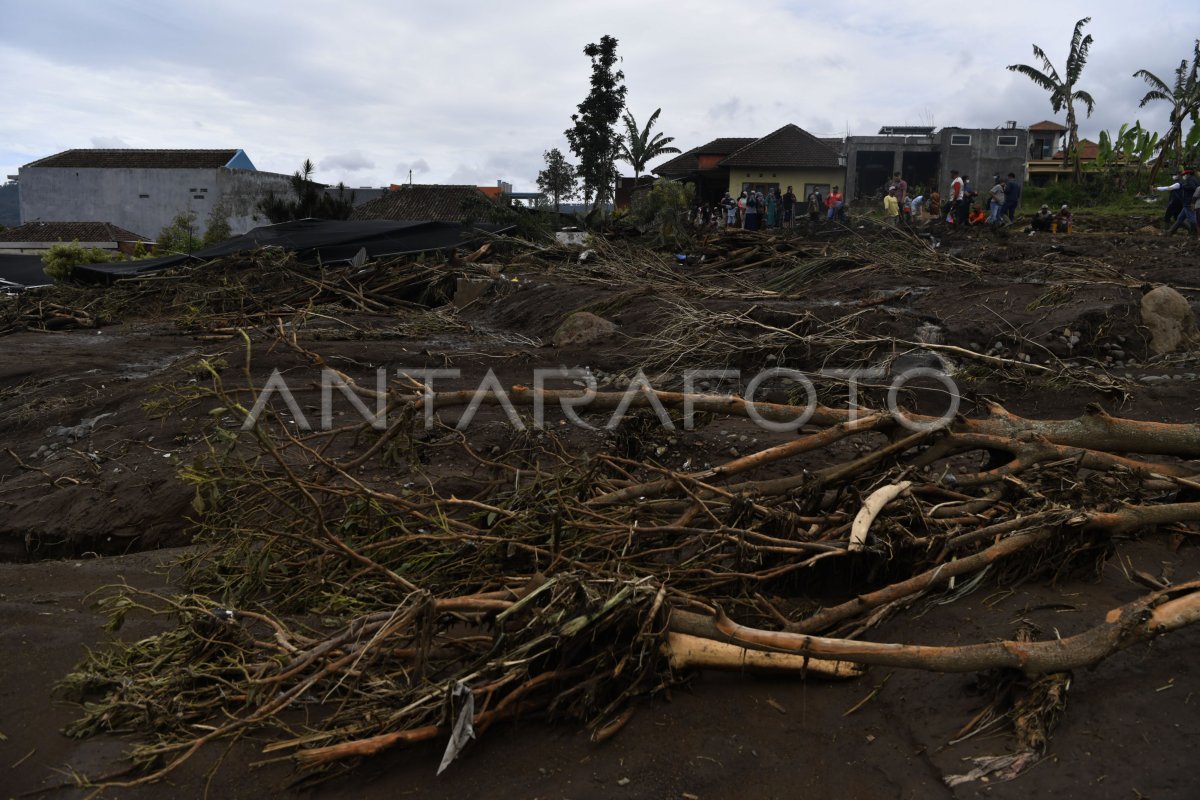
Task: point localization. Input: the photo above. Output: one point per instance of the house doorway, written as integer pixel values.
(920, 171)
(874, 171)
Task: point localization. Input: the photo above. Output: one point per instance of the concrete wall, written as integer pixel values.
(984, 157)
(796, 178)
(240, 191)
(981, 159)
(144, 201)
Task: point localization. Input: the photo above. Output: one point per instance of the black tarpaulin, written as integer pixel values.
(327, 241)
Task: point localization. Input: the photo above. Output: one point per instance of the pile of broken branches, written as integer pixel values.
(347, 600)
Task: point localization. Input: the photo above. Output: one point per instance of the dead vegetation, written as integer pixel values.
(349, 597)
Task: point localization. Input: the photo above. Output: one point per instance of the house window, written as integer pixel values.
(198, 196)
(1006, 141)
(960, 138)
(144, 196)
(809, 188)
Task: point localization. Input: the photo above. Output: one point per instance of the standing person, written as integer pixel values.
(1187, 186)
(996, 196)
(836, 205)
(772, 202)
(954, 202)
(726, 204)
(968, 197)
(1174, 202)
(789, 207)
(753, 210)
(1012, 197)
(741, 209)
(891, 208)
(815, 206)
(900, 186)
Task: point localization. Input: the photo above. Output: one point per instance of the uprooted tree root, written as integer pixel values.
(340, 609)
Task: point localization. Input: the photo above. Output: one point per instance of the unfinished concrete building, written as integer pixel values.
(924, 157)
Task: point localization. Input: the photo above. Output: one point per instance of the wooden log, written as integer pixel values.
(685, 651)
(1140, 621)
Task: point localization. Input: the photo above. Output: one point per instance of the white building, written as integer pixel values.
(143, 190)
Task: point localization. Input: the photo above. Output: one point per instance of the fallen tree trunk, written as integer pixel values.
(1094, 430)
(1140, 621)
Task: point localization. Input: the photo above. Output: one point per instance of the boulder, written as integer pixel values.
(582, 327)
(1169, 318)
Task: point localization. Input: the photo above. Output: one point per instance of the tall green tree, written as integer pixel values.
(593, 136)
(559, 178)
(1063, 93)
(310, 200)
(1184, 97)
(639, 148)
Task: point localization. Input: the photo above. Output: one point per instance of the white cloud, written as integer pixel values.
(351, 161)
(480, 94)
(109, 143)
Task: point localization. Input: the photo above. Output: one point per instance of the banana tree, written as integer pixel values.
(1063, 94)
(1183, 95)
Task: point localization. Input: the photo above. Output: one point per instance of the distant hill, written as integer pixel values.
(10, 206)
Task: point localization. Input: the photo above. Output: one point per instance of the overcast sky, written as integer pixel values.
(473, 92)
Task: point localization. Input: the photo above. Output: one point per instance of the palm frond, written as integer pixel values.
(1154, 82)
(1048, 82)
(1048, 66)
(1086, 99)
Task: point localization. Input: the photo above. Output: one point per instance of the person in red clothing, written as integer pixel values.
(836, 205)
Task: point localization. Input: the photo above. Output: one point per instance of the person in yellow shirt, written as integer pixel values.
(891, 208)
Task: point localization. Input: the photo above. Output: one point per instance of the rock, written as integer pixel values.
(1166, 313)
(582, 327)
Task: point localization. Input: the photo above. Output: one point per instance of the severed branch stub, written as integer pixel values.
(870, 510)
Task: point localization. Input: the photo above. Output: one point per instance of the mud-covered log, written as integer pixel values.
(1140, 621)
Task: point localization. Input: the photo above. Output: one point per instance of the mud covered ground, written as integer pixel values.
(97, 424)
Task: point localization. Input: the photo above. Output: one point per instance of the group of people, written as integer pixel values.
(1002, 201)
(1183, 202)
(1047, 221)
(756, 210)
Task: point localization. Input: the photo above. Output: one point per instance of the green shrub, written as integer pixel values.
(179, 236)
(60, 261)
(664, 211)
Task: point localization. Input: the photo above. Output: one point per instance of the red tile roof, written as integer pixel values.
(1088, 150)
(421, 201)
(137, 159)
(690, 162)
(789, 147)
(69, 232)
(1047, 125)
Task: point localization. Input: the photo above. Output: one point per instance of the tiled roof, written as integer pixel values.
(1047, 125)
(788, 147)
(689, 161)
(1088, 150)
(421, 201)
(69, 232)
(137, 159)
